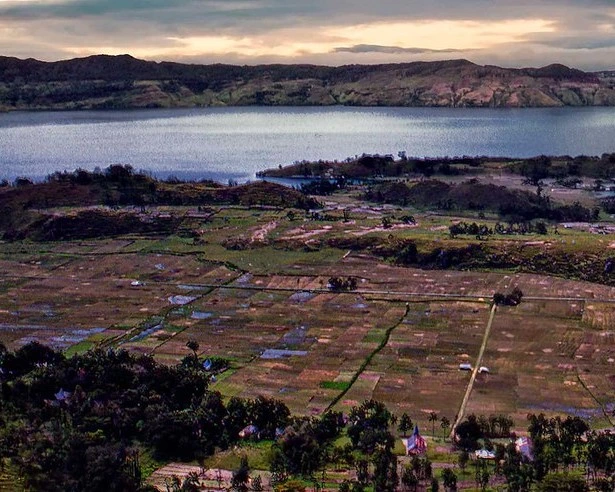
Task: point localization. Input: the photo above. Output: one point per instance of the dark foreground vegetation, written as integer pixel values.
(83, 423)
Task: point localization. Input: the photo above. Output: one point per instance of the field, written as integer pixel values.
(265, 306)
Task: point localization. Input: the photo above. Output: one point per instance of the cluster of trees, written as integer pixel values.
(323, 186)
(80, 423)
(565, 167)
(116, 186)
(474, 428)
(534, 170)
(121, 185)
(482, 230)
(374, 165)
(511, 299)
(561, 445)
(563, 454)
(514, 206)
(339, 284)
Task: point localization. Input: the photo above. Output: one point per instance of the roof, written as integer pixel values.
(483, 454)
(415, 443)
(524, 446)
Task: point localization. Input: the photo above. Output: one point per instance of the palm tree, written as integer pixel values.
(445, 424)
(433, 417)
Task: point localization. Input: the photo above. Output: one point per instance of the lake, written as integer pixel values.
(235, 143)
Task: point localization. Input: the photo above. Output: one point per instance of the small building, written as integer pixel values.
(524, 447)
(465, 367)
(249, 431)
(484, 454)
(483, 369)
(415, 444)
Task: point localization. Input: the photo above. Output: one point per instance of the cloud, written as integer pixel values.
(374, 48)
(326, 31)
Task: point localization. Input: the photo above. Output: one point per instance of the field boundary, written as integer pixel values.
(477, 365)
(368, 360)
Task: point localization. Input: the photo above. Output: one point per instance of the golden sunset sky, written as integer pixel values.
(521, 33)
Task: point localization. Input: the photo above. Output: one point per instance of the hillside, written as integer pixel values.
(104, 82)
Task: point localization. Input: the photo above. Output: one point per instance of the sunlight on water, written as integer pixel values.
(235, 143)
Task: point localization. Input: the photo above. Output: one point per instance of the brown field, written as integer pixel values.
(269, 312)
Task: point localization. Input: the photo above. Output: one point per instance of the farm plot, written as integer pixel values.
(417, 372)
(300, 347)
(86, 295)
(541, 358)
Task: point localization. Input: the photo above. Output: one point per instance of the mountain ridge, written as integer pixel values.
(122, 81)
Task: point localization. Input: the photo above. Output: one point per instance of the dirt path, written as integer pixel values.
(477, 365)
(261, 234)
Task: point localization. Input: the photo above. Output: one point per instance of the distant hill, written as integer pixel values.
(105, 82)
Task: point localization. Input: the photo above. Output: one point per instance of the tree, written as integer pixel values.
(194, 346)
(409, 479)
(385, 470)
(449, 480)
(405, 424)
(257, 484)
(463, 459)
(482, 474)
(344, 486)
(433, 418)
(303, 453)
(435, 485)
(445, 424)
(536, 169)
(368, 427)
(241, 476)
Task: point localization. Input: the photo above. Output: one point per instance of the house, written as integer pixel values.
(524, 446)
(249, 431)
(483, 454)
(415, 444)
(465, 367)
(483, 369)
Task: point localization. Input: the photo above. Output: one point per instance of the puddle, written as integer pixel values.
(181, 300)
(280, 354)
(295, 336)
(191, 287)
(302, 296)
(244, 279)
(201, 315)
(73, 337)
(145, 333)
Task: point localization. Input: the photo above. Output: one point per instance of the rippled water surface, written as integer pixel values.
(235, 143)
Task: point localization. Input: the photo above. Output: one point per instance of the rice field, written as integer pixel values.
(400, 337)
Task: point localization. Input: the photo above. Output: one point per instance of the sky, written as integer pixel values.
(515, 33)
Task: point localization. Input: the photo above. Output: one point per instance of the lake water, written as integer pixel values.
(235, 143)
